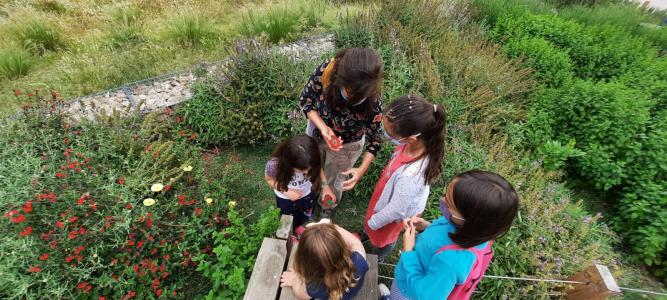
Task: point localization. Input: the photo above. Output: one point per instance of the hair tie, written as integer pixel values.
(302, 148)
(435, 108)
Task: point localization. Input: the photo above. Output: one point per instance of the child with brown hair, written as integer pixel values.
(330, 263)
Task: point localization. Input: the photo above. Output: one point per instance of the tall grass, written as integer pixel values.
(125, 28)
(191, 30)
(284, 21)
(38, 36)
(15, 64)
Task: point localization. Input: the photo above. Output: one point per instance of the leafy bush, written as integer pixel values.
(552, 66)
(604, 118)
(116, 209)
(235, 251)
(15, 64)
(191, 30)
(39, 36)
(254, 99)
(554, 154)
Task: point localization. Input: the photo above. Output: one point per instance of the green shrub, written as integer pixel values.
(255, 99)
(125, 28)
(235, 251)
(604, 118)
(354, 33)
(191, 30)
(284, 21)
(14, 65)
(551, 65)
(39, 36)
(554, 155)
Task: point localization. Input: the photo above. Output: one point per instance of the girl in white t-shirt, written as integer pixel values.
(294, 169)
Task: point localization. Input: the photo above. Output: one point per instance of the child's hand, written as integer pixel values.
(409, 238)
(293, 194)
(289, 278)
(419, 223)
(328, 196)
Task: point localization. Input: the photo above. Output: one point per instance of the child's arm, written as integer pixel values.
(270, 178)
(403, 203)
(326, 189)
(353, 243)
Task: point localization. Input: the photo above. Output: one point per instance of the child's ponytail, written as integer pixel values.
(411, 115)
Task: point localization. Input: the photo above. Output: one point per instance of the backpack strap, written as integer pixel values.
(473, 249)
(327, 74)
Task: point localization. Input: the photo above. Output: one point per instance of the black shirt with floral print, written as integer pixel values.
(349, 126)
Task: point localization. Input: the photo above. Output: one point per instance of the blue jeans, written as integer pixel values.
(301, 210)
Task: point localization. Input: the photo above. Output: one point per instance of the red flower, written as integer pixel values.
(162, 242)
(80, 201)
(34, 269)
(60, 224)
(135, 268)
(197, 211)
(17, 93)
(193, 136)
(173, 293)
(166, 257)
(102, 298)
(130, 243)
(168, 111)
(17, 219)
(140, 243)
(53, 244)
(181, 199)
(78, 250)
(84, 286)
(26, 231)
(167, 188)
(11, 213)
(158, 292)
(120, 181)
(30, 94)
(72, 234)
(129, 295)
(61, 175)
(44, 256)
(128, 206)
(181, 133)
(72, 219)
(27, 208)
(69, 258)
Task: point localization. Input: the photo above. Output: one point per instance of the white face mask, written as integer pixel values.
(397, 142)
(342, 94)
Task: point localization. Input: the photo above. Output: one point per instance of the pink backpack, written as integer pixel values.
(482, 260)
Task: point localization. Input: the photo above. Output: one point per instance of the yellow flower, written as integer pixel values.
(208, 201)
(231, 204)
(187, 168)
(156, 187)
(149, 201)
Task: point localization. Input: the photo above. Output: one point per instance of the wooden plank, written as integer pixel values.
(265, 279)
(286, 293)
(370, 288)
(285, 229)
(599, 284)
(368, 291)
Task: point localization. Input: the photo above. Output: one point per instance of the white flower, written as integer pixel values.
(156, 187)
(187, 168)
(231, 204)
(149, 201)
(208, 201)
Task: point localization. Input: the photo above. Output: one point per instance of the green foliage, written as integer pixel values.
(259, 101)
(554, 154)
(235, 250)
(285, 21)
(191, 30)
(354, 33)
(604, 118)
(551, 65)
(126, 28)
(15, 64)
(50, 6)
(39, 36)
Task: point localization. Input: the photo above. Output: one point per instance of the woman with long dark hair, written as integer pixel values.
(342, 103)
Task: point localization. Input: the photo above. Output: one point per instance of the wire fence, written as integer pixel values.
(543, 280)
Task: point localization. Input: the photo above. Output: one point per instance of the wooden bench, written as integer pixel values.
(273, 259)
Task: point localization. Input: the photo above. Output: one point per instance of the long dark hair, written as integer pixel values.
(487, 202)
(360, 71)
(410, 115)
(298, 152)
(323, 258)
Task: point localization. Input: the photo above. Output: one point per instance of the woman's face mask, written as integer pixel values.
(342, 94)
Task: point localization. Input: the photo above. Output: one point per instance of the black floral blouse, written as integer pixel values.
(347, 125)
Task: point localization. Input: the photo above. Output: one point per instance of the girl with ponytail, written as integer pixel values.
(417, 128)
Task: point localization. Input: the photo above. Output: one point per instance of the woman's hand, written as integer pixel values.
(293, 194)
(333, 142)
(327, 192)
(355, 175)
(409, 238)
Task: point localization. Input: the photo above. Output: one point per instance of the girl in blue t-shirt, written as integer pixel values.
(329, 263)
(451, 254)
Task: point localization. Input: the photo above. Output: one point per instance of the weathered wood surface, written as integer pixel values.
(368, 292)
(265, 279)
(285, 229)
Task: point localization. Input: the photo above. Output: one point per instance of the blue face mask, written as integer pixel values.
(348, 99)
(393, 140)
